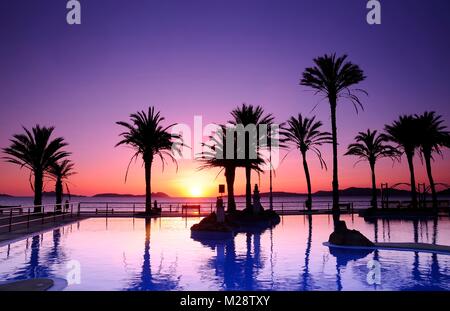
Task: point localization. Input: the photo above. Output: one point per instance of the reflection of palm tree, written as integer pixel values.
(248, 115)
(306, 135)
(435, 229)
(146, 280)
(36, 151)
(404, 132)
(306, 274)
(60, 172)
(416, 230)
(332, 77)
(252, 261)
(239, 272)
(435, 269)
(34, 268)
(56, 255)
(149, 139)
(371, 147)
(433, 136)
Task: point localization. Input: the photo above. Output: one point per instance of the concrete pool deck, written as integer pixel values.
(32, 285)
(399, 246)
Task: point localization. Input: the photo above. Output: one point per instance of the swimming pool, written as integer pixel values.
(159, 254)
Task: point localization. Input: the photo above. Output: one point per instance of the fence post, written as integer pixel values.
(134, 209)
(71, 210)
(107, 209)
(282, 208)
(43, 213)
(10, 219)
(79, 209)
(54, 213)
(211, 208)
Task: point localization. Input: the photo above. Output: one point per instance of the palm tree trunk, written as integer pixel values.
(230, 174)
(38, 185)
(335, 155)
(413, 180)
(308, 181)
(248, 187)
(58, 194)
(148, 186)
(430, 178)
(374, 186)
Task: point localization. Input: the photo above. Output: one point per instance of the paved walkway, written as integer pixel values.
(22, 230)
(415, 246)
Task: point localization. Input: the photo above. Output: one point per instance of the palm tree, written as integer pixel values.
(60, 172)
(333, 77)
(371, 146)
(215, 156)
(249, 115)
(433, 136)
(306, 135)
(149, 139)
(405, 133)
(36, 151)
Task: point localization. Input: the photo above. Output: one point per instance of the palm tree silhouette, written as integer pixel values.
(246, 115)
(371, 146)
(36, 151)
(306, 135)
(433, 136)
(61, 171)
(332, 77)
(216, 155)
(405, 133)
(149, 139)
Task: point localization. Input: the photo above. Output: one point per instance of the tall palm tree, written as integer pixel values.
(371, 146)
(61, 171)
(405, 133)
(433, 137)
(246, 115)
(215, 156)
(36, 151)
(306, 135)
(149, 139)
(333, 77)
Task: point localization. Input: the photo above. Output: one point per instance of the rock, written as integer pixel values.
(210, 223)
(246, 218)
(343, 236)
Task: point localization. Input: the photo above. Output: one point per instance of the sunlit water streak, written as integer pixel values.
(127, 254)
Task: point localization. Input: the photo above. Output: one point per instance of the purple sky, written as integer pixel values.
(204, 58)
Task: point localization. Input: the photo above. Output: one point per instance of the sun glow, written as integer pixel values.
(195, 191)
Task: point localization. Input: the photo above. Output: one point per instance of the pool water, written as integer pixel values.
(159, 254)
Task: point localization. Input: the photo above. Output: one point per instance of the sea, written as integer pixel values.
(279, 202)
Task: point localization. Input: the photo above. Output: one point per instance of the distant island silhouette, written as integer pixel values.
(349, 192)
(99, 195)
(119, 195)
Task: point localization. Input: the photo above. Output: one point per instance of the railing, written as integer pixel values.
(192, 208)
(392, 204)
(16, 217)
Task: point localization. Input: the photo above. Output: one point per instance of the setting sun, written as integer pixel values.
(195, 191)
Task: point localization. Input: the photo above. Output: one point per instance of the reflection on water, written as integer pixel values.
(159, 254)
